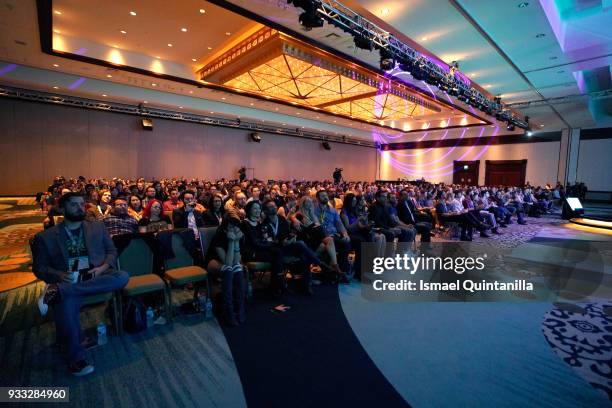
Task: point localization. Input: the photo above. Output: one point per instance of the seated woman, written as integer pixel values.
(223, 257)
(135, 207)
(214, 215)
(311, 232)
(257, 249)
(98, 205)
(154, 219)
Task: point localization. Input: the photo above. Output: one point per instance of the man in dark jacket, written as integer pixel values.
(76, 258)
(406, 212)
(187, 216)
(382, 219)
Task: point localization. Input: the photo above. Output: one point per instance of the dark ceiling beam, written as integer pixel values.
(501, 52)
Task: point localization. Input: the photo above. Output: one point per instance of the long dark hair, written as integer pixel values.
(349, 198)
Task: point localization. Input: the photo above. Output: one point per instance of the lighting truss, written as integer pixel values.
(150, 112)
(562, 99)
(348, 20)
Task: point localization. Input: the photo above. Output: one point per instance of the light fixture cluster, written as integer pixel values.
(396, 54)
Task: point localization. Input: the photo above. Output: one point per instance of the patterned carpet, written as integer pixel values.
(20, 219)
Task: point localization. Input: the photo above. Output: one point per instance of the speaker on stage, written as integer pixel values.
(572, 208)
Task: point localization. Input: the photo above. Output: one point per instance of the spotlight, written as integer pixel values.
(326, 145)
(510, 127)
(310, 19)
(147, 124)
(529, 133)
(387, 59)
(255, 137)
(362, 42)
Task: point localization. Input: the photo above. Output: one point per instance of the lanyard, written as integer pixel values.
(74, 240)
(274, 227)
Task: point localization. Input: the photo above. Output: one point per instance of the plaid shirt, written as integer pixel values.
(118, 226)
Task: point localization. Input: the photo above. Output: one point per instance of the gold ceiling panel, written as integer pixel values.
(274, 65)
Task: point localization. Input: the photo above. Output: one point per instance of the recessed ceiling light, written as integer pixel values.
(297, 113)
(180, 107)
(487, 86)
(123, 32)
(56, 87)
(184, 29)
(56, 31)
(56, 65)
(284, 124)
(202, 11)
(223, 98)
(212, 112)
(210, 48)
(190, 92)
(541, 35)
(541, 125)
(523, 4)
(194, 60)
(169, 45)
(423, 38)
(104, 95)
(109, 76)
(384, 11)
(59, 13)
(251, 104)
(275, 108)
(133, 13)
(154, 84)
(145, 101)
(228, 33)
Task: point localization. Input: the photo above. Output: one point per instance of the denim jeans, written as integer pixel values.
(68, 308)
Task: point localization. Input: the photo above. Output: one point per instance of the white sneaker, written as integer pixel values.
(43, 308)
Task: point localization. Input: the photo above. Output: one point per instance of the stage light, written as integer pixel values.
(387, 59)
(326, 145)
(362, 42)
(510, 127)
(529, 133)
(255, 137)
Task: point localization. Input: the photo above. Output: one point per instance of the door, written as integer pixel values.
(505, 172)
(466, 172)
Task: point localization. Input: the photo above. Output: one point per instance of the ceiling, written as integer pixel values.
(482, 35)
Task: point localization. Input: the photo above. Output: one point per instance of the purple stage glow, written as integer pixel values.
(437, 172)
(8, 68)
(77, 83)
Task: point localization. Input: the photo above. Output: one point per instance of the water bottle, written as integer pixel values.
(209, 308)
(102, 339)
(150, 317)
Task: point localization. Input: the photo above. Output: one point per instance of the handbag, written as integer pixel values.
(135, 316)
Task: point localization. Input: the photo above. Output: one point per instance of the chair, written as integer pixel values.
(99, 298)
(181, 270)
(137, 260)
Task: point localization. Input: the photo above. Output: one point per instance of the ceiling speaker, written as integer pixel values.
(326, 145)
(147, 124)
(255, 137)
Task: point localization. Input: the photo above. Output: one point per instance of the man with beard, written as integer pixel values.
(76, 258)
(119, 221)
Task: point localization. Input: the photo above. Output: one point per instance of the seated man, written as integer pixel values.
(187, 216)
(237, 204)
(76, 258)
(406, 214)
(173, 201)
(119, 221)
(382, 219)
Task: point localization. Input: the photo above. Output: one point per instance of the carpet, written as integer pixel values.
(306, 357)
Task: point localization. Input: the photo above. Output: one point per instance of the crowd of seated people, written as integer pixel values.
(290, 225)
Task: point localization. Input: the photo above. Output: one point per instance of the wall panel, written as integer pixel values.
(41, 141)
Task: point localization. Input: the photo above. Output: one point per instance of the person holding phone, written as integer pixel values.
(61, 255)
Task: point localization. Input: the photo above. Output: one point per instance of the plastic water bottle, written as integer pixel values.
(208, 308)
(150, 317)
(102, 339)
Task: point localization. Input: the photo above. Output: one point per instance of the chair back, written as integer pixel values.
(137, 258)
(182, 257)
(206, 236)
